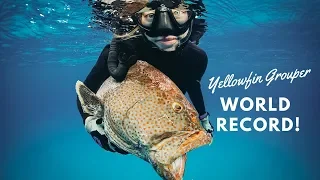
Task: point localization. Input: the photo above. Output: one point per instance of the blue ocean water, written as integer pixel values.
(45, 47)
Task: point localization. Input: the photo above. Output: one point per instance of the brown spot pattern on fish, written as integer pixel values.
(148, 116)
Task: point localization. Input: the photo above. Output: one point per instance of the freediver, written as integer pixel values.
(164, 28)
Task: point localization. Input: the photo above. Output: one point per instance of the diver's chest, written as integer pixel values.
(174, 69)
(179, 73)
(178, 69)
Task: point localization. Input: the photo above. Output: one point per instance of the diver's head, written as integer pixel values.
(167, 24)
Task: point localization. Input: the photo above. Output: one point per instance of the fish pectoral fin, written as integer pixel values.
(90, 103)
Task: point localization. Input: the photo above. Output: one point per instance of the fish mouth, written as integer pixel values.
(169, 155)
(178, 144)
(175, 170)
(195, 140)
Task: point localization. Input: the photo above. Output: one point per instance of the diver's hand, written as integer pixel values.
(120, 58)
(127, 53)
(127, 59)
(205, 122)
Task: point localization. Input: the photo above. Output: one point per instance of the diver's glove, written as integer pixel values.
(127, 59)
(205, 122)
(95, 128)
(121, 57)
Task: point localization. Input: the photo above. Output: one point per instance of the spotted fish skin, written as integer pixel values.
(148, 116)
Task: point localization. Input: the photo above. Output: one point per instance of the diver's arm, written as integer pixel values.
(195, 93)
(196, 97)
(96, 77)
(194, 87)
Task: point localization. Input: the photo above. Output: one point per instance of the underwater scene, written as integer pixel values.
(47, 46)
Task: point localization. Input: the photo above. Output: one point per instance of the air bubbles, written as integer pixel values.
(62, 21)
(66, 7)
(71, 27)
(49, 10)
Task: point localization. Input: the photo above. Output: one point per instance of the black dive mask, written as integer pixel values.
(165, 17)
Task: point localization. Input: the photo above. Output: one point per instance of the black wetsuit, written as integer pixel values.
(185, 68)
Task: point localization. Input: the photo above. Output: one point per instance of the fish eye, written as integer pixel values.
(177, 107)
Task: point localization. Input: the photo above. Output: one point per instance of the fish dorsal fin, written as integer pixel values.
(90, 103)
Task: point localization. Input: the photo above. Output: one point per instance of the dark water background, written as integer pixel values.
(45, 47)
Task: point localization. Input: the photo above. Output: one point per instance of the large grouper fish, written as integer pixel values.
(148, 116)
